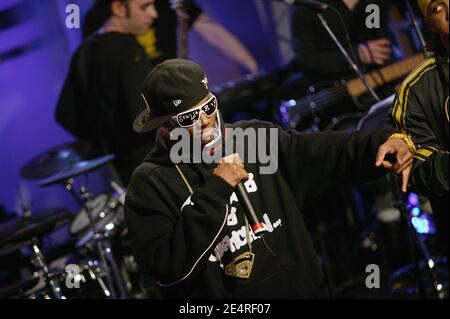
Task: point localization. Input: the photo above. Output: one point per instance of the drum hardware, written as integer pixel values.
(29, 235)
(419, 249)
(19, 288)
(99, 221)
(86, 202)
(86, 282)
(39, 261)
(102, 241)
(90, 279)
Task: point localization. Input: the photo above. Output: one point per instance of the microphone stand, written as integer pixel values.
(416, 28)
(417, 245)
(348, 58)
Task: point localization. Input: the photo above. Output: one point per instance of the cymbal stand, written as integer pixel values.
(39, 261)
(351, 63)
(102, 241)
(417, 244)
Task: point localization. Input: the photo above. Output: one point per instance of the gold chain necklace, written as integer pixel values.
(241, 266)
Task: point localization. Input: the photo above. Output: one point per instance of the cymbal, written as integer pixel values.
(11, 248)
(56, 159)
(76, 169)
(18, 289)
(11, 226)
(38, 229)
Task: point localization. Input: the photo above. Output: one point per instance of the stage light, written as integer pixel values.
(413, 199)
(421, 225)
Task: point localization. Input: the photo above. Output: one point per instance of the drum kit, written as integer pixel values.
(102, 262)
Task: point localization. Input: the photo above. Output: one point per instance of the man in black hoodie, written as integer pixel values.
(187, 226)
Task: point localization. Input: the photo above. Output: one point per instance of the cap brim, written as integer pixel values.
(145, 122)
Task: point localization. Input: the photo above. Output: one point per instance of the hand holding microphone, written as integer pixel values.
(231, 169)
(233, 172)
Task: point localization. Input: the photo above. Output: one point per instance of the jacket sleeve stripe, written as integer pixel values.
(401, 102)
(424, 152)
(420, 157)
(432, 148)
(446, 109)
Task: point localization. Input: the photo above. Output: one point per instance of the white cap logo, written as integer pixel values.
(176, 102)
(205, 82)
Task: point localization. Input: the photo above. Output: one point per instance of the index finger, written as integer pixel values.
(383, 41)
(382, 151)
(405, 178)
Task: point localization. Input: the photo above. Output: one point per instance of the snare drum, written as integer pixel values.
(107, 215)
(81, 221)
(111, 224)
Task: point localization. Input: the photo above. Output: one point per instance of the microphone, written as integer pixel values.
(246, 204)
(310, 4)
(257, 226)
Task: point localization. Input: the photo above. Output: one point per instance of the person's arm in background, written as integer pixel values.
(219, 37)
(374, 46)
(215, 34)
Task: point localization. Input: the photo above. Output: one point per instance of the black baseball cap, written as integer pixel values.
(171, 87)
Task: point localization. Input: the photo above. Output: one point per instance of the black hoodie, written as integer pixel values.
(174, 234)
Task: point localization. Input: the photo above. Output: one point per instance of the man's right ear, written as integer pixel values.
(118, 9)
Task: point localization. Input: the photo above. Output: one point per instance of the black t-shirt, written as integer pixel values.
(160, 42)
(100, 98)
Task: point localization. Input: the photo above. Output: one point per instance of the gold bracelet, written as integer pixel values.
(407, 139)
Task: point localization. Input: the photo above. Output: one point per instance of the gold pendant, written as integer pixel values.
(241, 266)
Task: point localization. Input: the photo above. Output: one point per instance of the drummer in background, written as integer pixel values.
(100, 98)
(421, 111)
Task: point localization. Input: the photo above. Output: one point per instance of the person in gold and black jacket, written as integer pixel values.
(421, 111)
